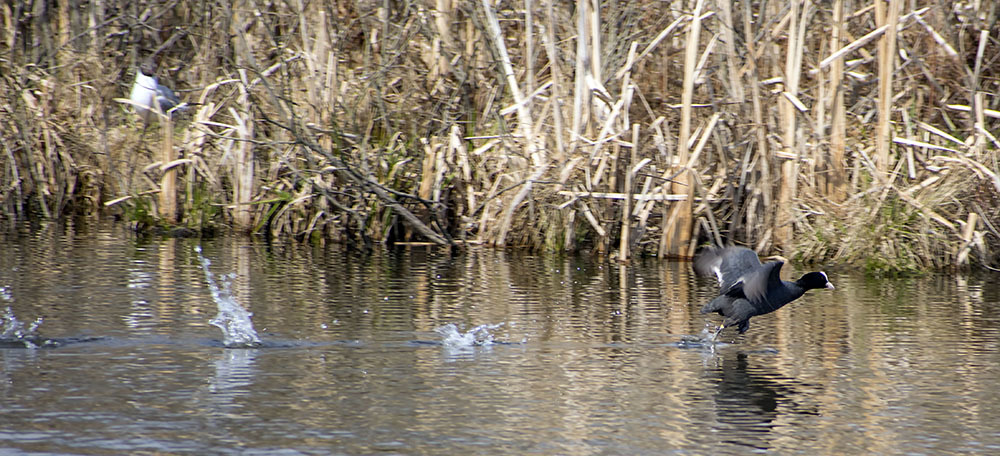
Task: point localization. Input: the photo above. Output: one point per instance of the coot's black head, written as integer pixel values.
(814, 280)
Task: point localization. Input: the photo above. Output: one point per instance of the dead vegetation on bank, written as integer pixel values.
(848, 131)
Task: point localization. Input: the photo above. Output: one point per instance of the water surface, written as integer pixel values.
(581, 356)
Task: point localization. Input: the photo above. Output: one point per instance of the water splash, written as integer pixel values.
(479, 336)
(14, 333)
(710, 333)
(233, 319)
(707, 339)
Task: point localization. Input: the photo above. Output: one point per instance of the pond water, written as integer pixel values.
(578, 357)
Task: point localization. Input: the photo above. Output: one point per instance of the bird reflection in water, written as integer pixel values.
(750, 399)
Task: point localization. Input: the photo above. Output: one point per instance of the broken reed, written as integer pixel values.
(845, 131)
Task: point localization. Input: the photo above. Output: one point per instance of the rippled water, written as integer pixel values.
(577, 356)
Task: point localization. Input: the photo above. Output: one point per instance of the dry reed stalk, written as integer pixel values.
(936, 131)
(615, 160)
(589, 215)
(858, 43)
(428, 174)
(734, 86)
(321, 63)
(168, 183)
(508, 214)
(525, 102)
(14, 209)
(713, 226)
(978, 97)
(677, 231)
(194, 140)
(200, 136)
(243, 171)
(837, 181)
(886, 64)
(819, 157)
(593, 22)
(242, 167)
(529, 47)
(331, 96)
(979, 131)
(496, 39)
(35, 161)
(525, 125)
(441, 168)
(623, 246)
(627, 87)
(975, 111)
(643, 209)
(968, 234)
(603, 138)
(569, 228)
(763, 185)
(456, 143)
(443, 18)
(656, 194)
(557, 95)
(787, 191)
(652, 44)
(911, 170)
(488, 201)
(588, 53)
(309, 52)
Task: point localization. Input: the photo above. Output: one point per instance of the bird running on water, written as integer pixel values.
(148, 94)
(748, 288)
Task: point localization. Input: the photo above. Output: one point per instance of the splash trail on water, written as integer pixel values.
(13, 332)
(233, 319)
(707, 339)
(479, 336)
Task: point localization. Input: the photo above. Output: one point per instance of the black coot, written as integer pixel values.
(749, 288)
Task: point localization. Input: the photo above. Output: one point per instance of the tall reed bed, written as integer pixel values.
(842, 130)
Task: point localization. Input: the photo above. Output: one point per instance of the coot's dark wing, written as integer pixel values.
(761, 284)
(728, 264)
(738, 262)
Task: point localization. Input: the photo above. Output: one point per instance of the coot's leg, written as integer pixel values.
(717, 331)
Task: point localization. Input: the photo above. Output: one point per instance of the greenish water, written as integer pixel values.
(586, 357)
